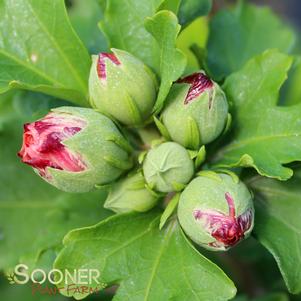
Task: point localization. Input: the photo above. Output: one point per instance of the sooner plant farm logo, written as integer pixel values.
(76, 281)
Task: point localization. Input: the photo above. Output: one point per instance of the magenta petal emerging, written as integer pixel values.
(101, 63)
(43, 143)
(228, 230)
(199, 82)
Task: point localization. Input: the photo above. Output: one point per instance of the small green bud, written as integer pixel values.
(130, 194)
(122, 86)
(75, 149)
(216, 211)
(196, 111)
(168, 167)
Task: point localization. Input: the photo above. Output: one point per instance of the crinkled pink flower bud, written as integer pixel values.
(75, 148)
(43, 143)
(216, 210)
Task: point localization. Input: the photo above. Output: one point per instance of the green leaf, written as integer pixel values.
(278, 224)
(84, 17)
(238, 34)
(40, 51)
(266, 136)
(195, 34)
(149, 264)
(292, 91)
(34, 216)
(123, 25)
(191, 9)
(165, 28)
(172, 5)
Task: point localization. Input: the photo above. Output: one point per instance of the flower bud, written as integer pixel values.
(130, 194)
(123, 87)
(168, 167)
(216, 211)
(196, 112)
(75, 148)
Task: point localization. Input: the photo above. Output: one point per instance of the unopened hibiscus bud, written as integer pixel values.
(122, 86)
(168, 167)
(130, 194)
(196, 112)
(216, 211)
(75, 148)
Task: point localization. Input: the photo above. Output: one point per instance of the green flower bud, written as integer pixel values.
(75, 148)
(216, 211)
(130, 194)
(122, 86)
(168, 167)
(196, 111)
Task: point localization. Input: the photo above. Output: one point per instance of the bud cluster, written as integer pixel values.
(80, 149)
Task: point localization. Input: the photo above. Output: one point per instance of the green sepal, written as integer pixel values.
(102, 186)
(193, 154)
(150, 187)
(172, 205)
(157, 142)
(193, 139)
(124, 165)
(139, 184)
(133, 109)
(162, 129)
(178, 186)
(121, 142)
(201, 157)
(141, 157)
(228, 124)
(234, 177)
(210, 174)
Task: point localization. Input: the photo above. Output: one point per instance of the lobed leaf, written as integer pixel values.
(40, 51)
(278, 225)
(266, 135)
(148, 264)
(292, 89)
(165, 28)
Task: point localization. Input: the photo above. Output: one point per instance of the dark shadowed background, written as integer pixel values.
(289, 9)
